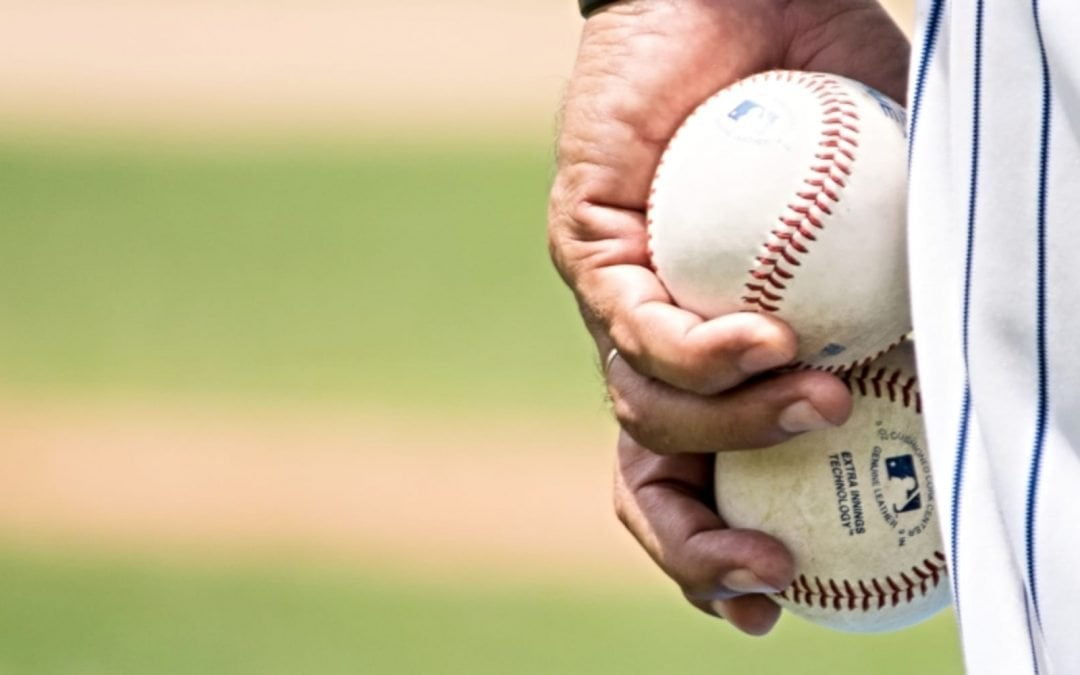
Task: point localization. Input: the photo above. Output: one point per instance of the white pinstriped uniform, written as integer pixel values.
(995, 222)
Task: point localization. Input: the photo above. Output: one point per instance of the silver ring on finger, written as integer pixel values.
(610, 360)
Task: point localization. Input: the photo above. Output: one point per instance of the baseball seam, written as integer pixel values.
(875, 594)
(811, 207)
(847, 367)
(896, 385)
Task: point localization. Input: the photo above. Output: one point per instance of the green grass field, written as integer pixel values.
(397, 275)
(77, 616)
(407, 278)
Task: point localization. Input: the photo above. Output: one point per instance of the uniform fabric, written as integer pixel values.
(994, 210)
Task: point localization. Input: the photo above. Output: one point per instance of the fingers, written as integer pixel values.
(680, 348)
(758, 414)
(628, 307)
(703, 357)
(752, 614)
(665, 503)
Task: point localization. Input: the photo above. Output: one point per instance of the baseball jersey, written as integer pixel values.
(994, 107)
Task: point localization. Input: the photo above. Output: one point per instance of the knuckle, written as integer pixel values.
(698, 583)
(560, 198)
(636, 419)
(558, 223)
(629, 415)
(626, 340)
(557, 255)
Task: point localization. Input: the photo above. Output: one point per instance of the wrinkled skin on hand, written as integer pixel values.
(685, 386)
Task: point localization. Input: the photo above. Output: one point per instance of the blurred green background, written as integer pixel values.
(400, 275)
(287, 382)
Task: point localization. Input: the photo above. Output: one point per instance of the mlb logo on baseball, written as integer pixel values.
(753, 113)
(757, 120)
(903, 469)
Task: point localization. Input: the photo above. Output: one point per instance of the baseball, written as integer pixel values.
(854, 504)
(785, 193)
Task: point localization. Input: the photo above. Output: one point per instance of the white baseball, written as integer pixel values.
(854, 504)
(785, 193)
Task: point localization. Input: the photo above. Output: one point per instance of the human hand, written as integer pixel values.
(686, 384)
(643, 65)
(666, 501)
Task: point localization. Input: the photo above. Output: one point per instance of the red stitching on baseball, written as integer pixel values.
(880, 593)
(859, 376)
(758, 301)
(760, 288)
(838, 127)
(770, 277)
(896, 385)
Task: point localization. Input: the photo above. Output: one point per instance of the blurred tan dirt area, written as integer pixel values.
(320, 66)
(317, 67)
(361, 489)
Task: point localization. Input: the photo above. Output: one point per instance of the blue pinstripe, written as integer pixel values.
(933, 26)
(930, 39)
(1039, 444)
(969, 257)
(1031, 634)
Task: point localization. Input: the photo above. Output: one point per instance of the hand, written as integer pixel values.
(666, 501)
(685, 384)
(643, 65)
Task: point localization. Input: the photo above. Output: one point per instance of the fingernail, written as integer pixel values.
(761, 358)
(801, 416)
(718, 607)
(745, 581)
